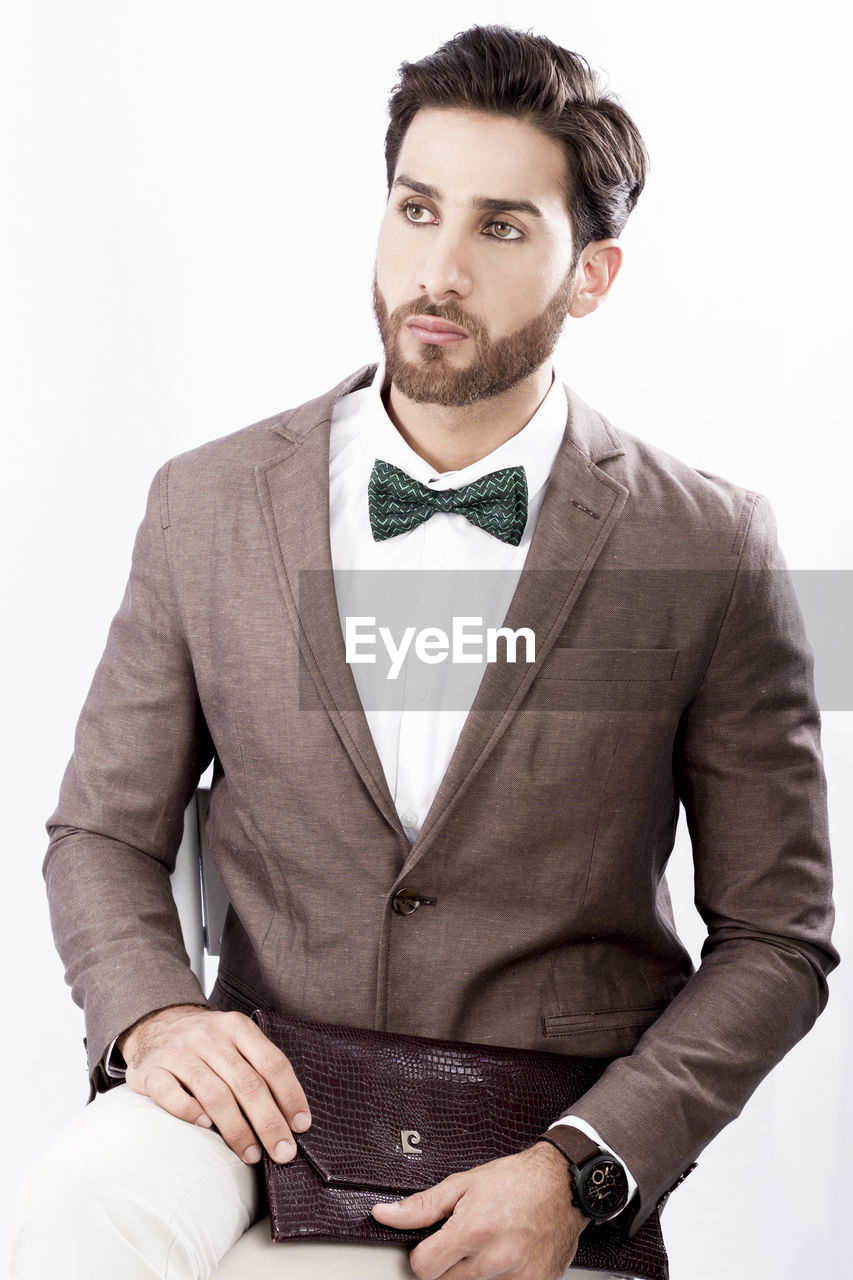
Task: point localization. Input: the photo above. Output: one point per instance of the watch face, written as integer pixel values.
(602, 1187)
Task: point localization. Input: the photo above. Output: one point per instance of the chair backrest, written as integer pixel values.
(198, 892)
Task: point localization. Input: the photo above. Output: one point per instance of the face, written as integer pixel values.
(473, 268)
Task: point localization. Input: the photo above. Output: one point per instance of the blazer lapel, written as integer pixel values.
(581, 507)
(294, 494)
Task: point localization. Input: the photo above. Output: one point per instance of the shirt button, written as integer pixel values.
(409, 819)
(405, 901)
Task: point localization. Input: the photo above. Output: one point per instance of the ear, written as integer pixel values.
(597, 268)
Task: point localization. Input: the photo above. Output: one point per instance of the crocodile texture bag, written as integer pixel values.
(395, 1114)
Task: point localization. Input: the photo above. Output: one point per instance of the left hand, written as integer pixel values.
(510, 1217)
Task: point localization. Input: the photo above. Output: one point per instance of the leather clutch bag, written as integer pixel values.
(395, 1114)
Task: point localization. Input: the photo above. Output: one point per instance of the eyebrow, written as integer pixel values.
(489, 204)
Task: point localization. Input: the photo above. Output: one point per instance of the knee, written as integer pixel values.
(131, 1191)
(77, 1217)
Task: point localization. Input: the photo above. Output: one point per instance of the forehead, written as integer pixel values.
(467, 154)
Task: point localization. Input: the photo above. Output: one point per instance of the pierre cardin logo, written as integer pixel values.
(411, 1140)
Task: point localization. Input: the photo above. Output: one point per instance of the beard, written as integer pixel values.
(498, 364)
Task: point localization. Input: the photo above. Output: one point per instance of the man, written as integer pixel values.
(493, 872)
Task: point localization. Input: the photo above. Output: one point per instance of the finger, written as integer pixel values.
(439, 1257)
(254, 1100)
(162, 1087)
(218, 1102)
(466, 1268)
(423, 1208)
(275, 1068)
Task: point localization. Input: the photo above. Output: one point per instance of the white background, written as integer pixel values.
(192, 192)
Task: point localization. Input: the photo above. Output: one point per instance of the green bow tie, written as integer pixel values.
(496, 502)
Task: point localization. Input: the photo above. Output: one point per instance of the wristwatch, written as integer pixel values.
(599, 1182)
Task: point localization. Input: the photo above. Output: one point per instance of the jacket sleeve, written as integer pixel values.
(140, 746)
(748, 768)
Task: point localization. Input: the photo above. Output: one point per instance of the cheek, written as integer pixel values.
(514, 303)
(525, 285)
(547, 281)
(392, 266)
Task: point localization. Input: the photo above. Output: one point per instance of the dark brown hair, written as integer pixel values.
(514, 73)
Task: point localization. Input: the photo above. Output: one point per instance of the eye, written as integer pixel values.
(505, 231)
(416, 213)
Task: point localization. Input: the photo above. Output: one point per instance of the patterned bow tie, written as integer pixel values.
(496, 502)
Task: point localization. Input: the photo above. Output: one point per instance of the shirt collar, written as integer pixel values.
(534, 447)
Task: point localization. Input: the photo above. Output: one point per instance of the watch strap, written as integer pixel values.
(576, 1146)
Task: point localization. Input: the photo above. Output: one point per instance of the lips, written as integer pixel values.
(435, 330)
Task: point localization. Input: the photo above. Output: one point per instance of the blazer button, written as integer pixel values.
(405, 901)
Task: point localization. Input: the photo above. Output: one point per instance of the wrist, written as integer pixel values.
(555, 1168)
(171, 1013)
(598, 1179)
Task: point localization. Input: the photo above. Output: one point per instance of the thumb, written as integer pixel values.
(421, 1209)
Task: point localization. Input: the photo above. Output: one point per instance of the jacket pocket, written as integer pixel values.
(646, 665)
(607, 1034)
(230, 993)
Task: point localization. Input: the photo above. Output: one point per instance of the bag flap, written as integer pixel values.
(399, 1113)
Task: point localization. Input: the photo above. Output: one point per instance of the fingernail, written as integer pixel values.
(205, 1122)
(284, 1151)
(301, 1122)
(251, 1155)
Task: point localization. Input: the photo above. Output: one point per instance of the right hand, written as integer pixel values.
(212, 1068)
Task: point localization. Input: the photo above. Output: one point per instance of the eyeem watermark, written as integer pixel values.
(468, 642)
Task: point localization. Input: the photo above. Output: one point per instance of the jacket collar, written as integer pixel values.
(591, 434)
(295, 424)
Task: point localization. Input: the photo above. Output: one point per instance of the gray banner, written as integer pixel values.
(614, 640)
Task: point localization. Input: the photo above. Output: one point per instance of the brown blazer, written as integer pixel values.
(671, 666)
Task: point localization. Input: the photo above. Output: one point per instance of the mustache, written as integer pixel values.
(449, 311)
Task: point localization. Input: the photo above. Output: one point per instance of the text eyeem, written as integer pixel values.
(468, 641)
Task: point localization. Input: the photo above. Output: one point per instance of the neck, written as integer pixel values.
(452, 438)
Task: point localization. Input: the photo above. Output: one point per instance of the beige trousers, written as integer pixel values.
(130, 1192)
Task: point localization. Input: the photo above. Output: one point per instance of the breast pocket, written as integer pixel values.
(606, 679)
(655, 665)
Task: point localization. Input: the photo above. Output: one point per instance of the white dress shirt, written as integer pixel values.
(415, 744)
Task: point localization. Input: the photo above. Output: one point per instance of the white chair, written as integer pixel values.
(198, 892)
(202, 904)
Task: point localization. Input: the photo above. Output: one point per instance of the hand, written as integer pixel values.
(510, 1217)
(216, 1068)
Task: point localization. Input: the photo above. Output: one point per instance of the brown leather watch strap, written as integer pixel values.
(574, 1145)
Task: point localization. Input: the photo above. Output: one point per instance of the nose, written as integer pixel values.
(445, 271)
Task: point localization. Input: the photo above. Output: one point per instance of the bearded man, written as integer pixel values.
(491, 871)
